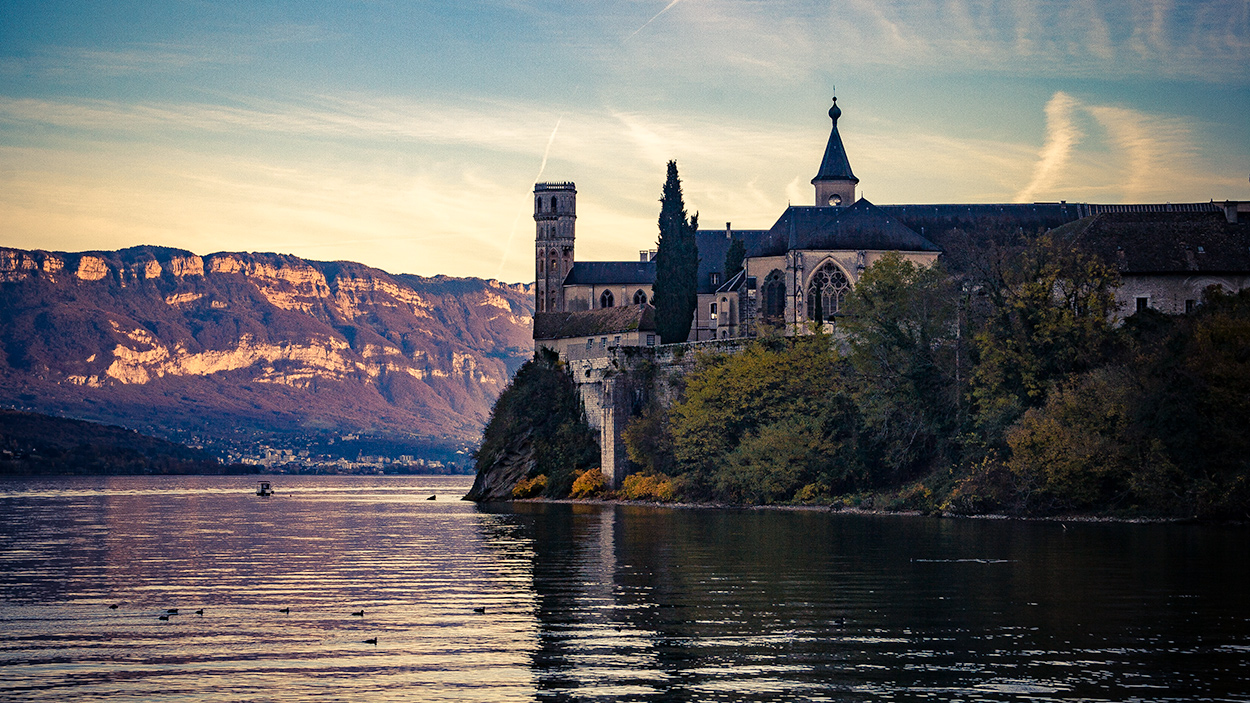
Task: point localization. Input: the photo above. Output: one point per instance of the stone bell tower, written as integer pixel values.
(835, 184)
(555, 211)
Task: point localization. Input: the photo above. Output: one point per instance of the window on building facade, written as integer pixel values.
(553, 203)
(650, 340)
(828, 289)
(775, 295)
(715, 276)
(1142, 304)
(590, 343)
(640, 298)
(712, 310)
(1190, 305)
(616, 341)
(606, 300)
(603, 342)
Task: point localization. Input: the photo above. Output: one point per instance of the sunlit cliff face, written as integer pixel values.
(440, 349)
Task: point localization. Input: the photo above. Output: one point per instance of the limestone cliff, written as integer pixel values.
(229, 345)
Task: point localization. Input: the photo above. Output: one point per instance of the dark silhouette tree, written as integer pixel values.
(734, 257)
(676, 264)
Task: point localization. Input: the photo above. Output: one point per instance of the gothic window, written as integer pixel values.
(827, 292)
(775, 295)
(551, 304)
(553, 203)
(605, 300)
(540, 267)
(640, 298)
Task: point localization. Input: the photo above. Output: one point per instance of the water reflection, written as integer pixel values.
(592, 603)
(764, 605)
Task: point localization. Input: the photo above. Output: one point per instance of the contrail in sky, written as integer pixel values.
(542, 167)
(644, 24)
(1062, 135)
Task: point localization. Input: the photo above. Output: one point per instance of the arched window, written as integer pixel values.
(775, 296)
(606, 300)
(827, 292)
(640, 298)
(551, 303)
(540, 267)
(553, 203)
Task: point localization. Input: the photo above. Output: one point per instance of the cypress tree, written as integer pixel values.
(676, 264)
(734, 257)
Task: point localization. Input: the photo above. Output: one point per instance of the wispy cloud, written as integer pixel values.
(412, 186)
(1062, 136)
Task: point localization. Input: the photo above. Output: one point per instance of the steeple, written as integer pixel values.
(835, 184)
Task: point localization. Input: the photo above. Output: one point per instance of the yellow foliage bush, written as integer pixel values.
(530, 487)
(657, 487)
(590, 484)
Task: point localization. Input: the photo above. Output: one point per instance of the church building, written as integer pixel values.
(802, 267)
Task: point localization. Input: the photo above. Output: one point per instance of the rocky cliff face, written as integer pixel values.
(232, 347)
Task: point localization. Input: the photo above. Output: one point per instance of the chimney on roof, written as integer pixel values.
(729, 232)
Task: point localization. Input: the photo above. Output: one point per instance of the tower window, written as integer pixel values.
(553, 203)
(606, 300)
(715, 277)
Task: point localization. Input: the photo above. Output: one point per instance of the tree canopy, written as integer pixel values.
(676, 264)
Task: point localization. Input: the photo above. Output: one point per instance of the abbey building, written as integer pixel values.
(798, 271)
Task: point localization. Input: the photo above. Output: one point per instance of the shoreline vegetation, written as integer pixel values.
(1001, 381)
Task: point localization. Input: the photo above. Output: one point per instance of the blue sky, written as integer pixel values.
(408, 135)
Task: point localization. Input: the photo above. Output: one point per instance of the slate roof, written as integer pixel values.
(713, 245)
(588, 323)
(589, 273)
(1165, 242)
(861, 226)
(835, 166)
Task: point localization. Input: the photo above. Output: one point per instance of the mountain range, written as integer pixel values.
(231, 350)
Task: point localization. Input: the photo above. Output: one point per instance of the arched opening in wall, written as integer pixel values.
(640, 298)
(774, 292)
(553, 203)
(541, 268)
(551, 303)
(826, 293)
(606, 300)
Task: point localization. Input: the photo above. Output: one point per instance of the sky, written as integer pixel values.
(407, 135)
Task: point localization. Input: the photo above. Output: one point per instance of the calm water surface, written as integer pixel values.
(592, 603)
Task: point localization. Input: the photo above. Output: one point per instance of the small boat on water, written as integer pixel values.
(263, 489)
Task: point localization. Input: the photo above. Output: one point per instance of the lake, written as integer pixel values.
(584, 602)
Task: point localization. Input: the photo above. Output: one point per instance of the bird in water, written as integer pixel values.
(371, 640)
(200, 612)
(359, 613)
(114, 606)
(163, 617)
(480, 609)
(172, 611)
(285, 610)
(431, 498)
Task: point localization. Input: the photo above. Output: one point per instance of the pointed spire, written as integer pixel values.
(835, 166)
